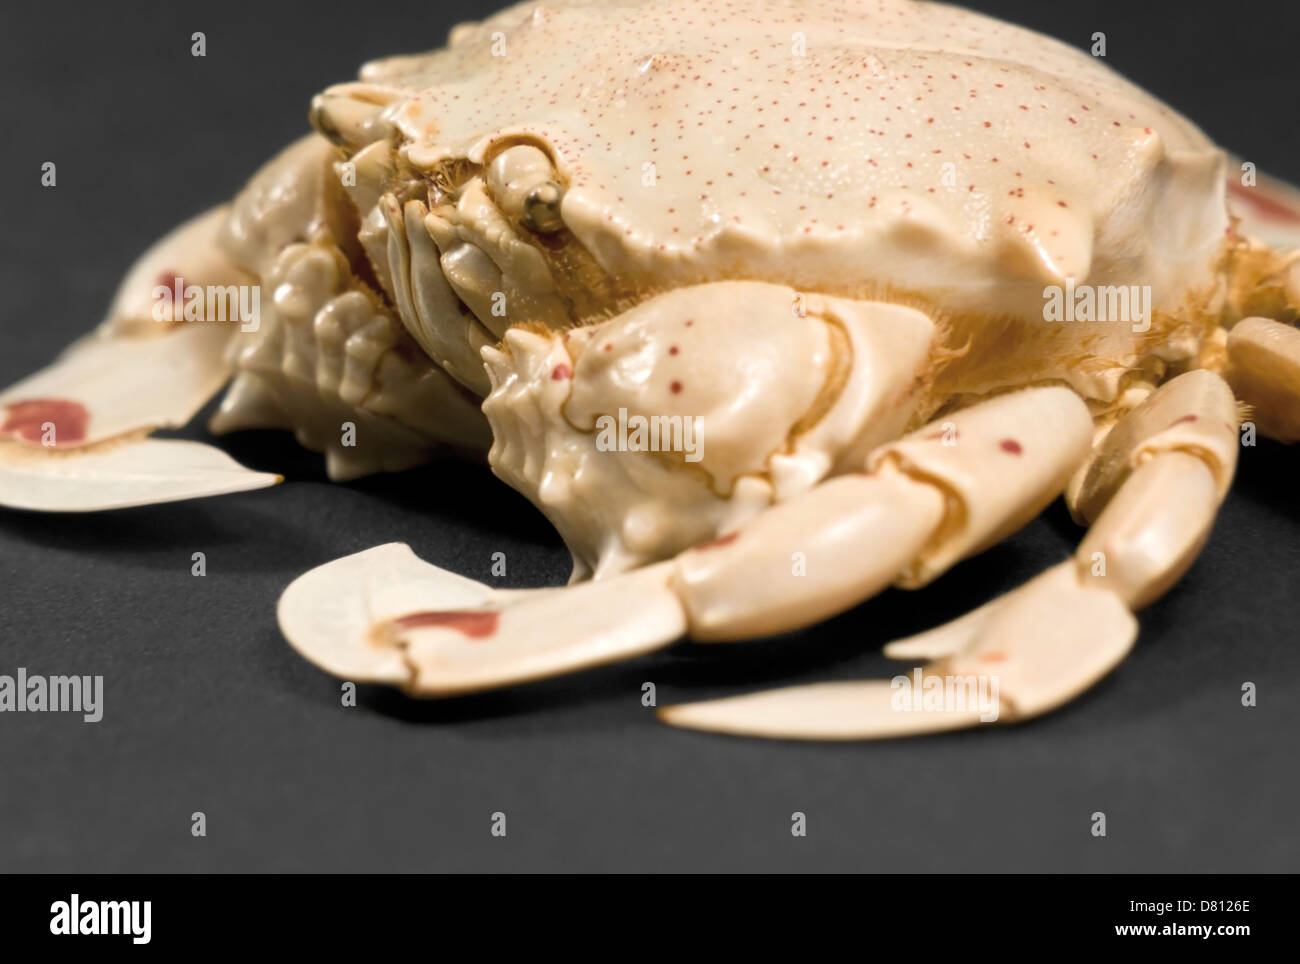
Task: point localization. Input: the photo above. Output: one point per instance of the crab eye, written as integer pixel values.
(542, 208)
(522, 181)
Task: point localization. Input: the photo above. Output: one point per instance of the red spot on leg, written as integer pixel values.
(1185, 418)
(27, 419)
(1265, 207)
(1010, 446)
(719, 542)
(561, 372)
(675, 387)
(475, 625)
(994, 657)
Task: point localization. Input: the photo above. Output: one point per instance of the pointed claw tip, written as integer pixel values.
(699, 716)
(674, 716)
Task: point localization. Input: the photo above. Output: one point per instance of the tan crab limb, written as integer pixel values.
(854, 534)
(675, 355)
(1143, 542)
(72, 435)
(1149, 491)
(1000, 462)
(447, 334)
(295, 197)
(351, 115)
(334, 361)
(1195, 412)
(1268, 209)
(944, 492)
(1041, 645)
(344, 614)
(99, 389)
(1029, 658)
(954, 636)
(190, 253)
(695, 410)
(327, 356)
(385, 616)
(741, 585)
(143, 471)
(1264, 371)
(329, 613)
(1147, 537)
(1181, 456)
(1036, 650)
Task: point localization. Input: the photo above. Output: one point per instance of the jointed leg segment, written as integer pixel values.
(1167, 464)
(72, 436)
(933, 492)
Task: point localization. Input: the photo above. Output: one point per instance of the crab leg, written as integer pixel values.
(1263, 353)
(1269, 210)
(1161, 473)
(1264, 371)
(925, 502)
(388, 617)
(72, 436)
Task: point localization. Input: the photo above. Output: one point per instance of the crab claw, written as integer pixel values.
(1035, 651)
(952, 637)
(147, 472)
(72, 435)
(386, 616)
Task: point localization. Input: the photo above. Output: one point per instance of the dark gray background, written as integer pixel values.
(206, 708)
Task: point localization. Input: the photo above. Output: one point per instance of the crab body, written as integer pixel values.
(829, 252)
(908, 154)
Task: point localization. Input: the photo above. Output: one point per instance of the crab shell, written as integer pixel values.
(891, 152)
(852, 149)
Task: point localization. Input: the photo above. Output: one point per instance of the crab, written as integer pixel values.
(766, 306)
